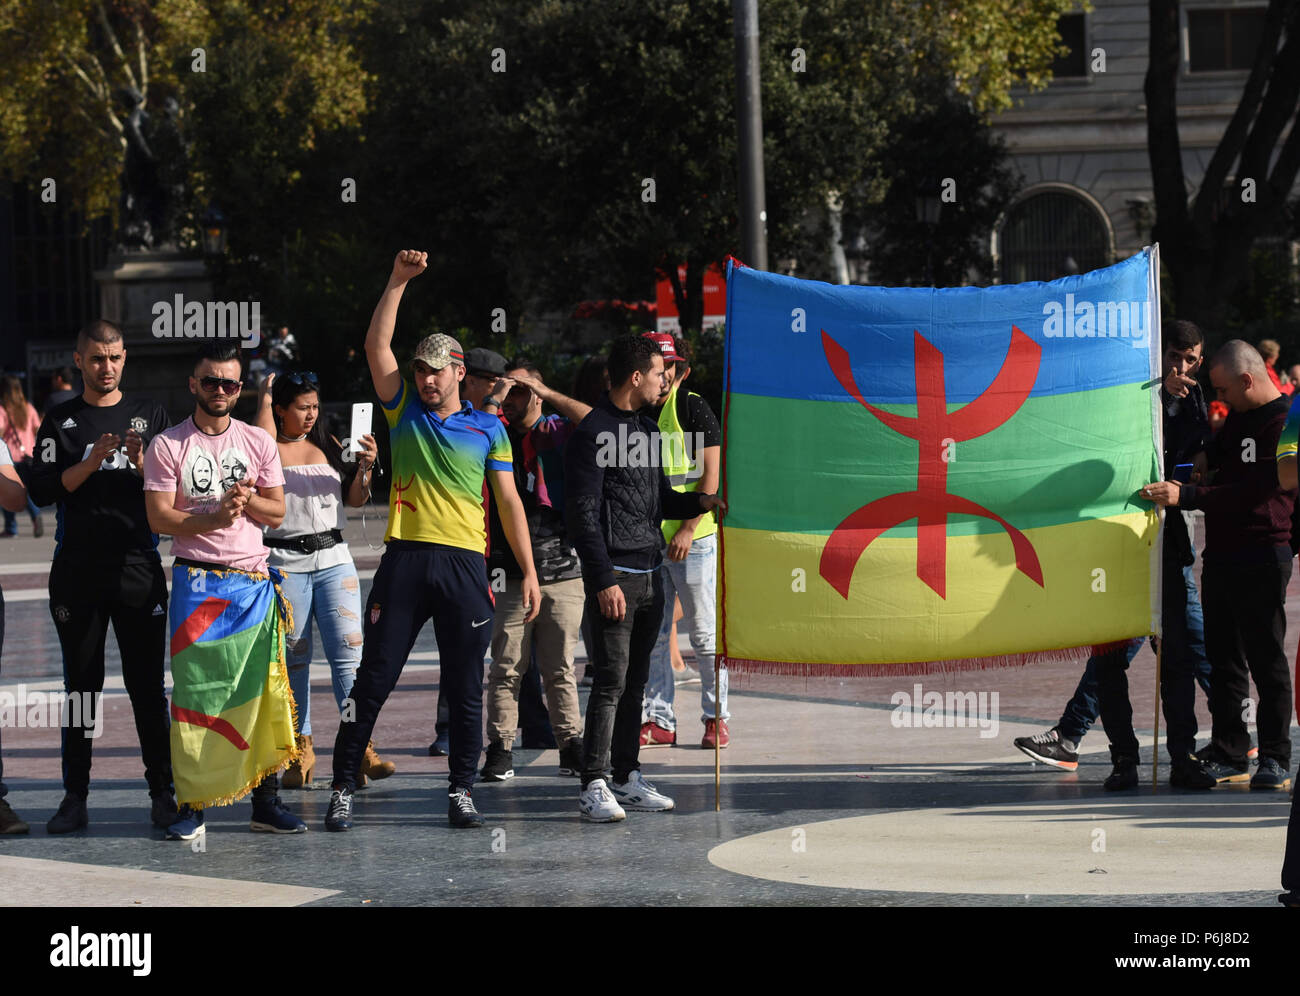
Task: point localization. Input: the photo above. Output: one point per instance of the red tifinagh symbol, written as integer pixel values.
(931, 504)
(216, 724)
(399, 489)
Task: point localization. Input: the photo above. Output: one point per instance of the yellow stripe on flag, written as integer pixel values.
(1097, 578)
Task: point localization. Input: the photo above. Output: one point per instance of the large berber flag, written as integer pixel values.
(922, 479)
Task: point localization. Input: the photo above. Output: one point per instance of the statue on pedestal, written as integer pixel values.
(153, 175)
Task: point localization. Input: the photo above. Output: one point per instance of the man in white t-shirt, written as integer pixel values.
(214, 529)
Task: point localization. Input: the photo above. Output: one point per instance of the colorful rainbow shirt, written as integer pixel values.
(436, 495)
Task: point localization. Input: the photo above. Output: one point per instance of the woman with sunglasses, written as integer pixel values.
(320, 579)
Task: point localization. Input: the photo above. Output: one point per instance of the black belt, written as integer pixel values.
(306, 543)
(203, 565)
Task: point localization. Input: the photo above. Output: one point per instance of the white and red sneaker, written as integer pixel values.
(654, 735)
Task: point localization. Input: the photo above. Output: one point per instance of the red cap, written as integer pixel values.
(666, 345)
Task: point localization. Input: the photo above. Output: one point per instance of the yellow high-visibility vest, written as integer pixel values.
(683, 473)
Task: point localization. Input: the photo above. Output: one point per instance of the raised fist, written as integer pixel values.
(409, 263)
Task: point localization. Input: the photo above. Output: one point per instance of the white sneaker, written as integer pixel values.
(639, 795)
(596, 804)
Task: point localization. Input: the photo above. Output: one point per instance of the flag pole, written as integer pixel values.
(1155, 747)
(717, 737)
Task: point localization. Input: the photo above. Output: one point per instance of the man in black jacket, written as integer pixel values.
(616, 497)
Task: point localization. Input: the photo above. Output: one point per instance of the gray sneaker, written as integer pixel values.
(1046, 748)
(1271, 776)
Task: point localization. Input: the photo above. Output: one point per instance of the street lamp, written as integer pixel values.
(214, 231)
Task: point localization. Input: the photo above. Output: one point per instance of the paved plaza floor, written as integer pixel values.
(825, 799)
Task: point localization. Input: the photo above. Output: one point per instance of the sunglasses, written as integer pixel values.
(213, 384)
(304, 379)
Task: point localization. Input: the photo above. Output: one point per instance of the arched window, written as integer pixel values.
(1052, 234)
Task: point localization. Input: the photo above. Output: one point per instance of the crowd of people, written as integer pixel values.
(511, 530)
(519, 533)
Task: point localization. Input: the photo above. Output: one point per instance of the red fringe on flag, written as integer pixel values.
(908, 669)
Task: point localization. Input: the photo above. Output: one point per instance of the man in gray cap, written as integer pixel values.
(433, 566)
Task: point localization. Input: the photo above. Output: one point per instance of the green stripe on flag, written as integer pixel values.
(224, 674)
(1061, 458)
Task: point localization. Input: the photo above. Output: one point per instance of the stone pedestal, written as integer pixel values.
(130, 284)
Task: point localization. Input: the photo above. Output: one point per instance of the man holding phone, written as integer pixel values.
(106, 569)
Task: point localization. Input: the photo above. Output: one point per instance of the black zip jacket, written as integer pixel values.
(616, 494)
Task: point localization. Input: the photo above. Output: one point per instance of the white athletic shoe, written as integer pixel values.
(639, 795)
(596, 804)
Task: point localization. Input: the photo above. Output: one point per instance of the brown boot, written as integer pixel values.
(298, 774)
(374, 766)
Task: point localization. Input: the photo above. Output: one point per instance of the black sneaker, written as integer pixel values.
(1189, 773)
(1046, 748)
(1123, 776)
(500, 763)
(270, 816)
(339, 814)
(162, 810)
(440, 747)
(1271, 776)
(71, 816)
(571, 757)
(1219, 768)
(460, 810)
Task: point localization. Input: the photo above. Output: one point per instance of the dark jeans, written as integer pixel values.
(416, 582)
(622, 664)
(1177, 695)
(267, 789)
(133, 598)
(534, 720)
(1245, 623)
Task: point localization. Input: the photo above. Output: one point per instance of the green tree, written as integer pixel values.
(64, 64)
(604, 146)
(948, 154)
(1205, 242)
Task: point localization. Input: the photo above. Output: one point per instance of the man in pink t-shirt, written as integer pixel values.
(210, 483)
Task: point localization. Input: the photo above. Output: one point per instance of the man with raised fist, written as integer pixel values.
(433, 566)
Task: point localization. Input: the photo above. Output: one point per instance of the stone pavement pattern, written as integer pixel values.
(824, 801)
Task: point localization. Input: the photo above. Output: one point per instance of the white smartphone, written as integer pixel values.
(362, 413)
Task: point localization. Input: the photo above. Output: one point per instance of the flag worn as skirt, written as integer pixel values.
(233, 715)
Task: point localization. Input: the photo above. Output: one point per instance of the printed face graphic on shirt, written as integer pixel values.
(199, 478)
(234, 468)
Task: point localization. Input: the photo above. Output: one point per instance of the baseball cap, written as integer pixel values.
(665, 343)
(438, 350)
(483, 361)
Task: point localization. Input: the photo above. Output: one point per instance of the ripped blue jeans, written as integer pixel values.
(333, 598)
